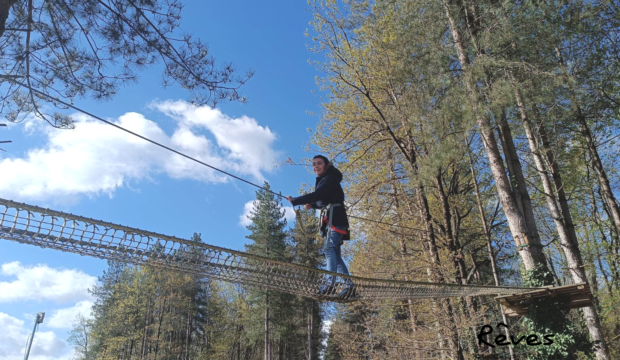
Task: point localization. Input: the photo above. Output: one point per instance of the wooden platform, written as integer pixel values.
(568, 297)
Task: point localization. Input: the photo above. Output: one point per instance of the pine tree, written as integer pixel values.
(149, 312)
(269, 239)
(69, 49)
(332, 352)
(306, 252)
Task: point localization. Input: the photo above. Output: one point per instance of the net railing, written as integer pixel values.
(62, 231)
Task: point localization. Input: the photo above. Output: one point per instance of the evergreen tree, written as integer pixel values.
(332, 352)
(305, 250)
(267, 226)
(69, 49)
(268, 237)
(145, 312)
(525, 85)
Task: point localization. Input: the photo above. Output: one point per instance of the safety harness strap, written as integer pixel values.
(330, 227)
(338, 230)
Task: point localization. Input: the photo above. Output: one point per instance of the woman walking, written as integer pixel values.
(328, 195)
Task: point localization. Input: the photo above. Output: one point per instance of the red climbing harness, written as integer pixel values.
(326, 214)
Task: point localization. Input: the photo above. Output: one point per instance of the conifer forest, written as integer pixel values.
(484, 132)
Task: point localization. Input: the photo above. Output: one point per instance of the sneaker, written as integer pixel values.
(326, 290)
(348, 293)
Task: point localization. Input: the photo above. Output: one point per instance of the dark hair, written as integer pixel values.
(326, 160)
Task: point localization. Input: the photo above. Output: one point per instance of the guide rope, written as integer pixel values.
(69, 105)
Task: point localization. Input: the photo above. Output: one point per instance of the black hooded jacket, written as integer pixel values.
(327, 190)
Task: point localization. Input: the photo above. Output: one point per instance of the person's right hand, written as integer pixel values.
(308, 206)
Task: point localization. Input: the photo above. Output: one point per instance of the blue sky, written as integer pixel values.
(98, 172)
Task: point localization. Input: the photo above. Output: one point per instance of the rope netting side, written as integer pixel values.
(71, 233)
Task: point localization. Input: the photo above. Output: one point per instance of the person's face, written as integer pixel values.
(318, 165)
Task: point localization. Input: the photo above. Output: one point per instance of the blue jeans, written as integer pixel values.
(334, 256)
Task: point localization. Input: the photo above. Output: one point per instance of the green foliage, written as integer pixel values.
(143, 310)
(80, 338)
(332, 352)
(409, 86)
(288, 314)
(267, 226)
(546, 317)
(77, 48)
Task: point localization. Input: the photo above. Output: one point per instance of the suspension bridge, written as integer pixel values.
(62, 231)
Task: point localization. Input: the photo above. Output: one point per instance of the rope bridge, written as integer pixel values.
(71, 233)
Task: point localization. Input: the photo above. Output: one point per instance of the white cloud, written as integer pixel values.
(244, 220)
(326, 327)
(289, 213)
(96, 158)
(66, 318)
(41, 282)
(45, 346)
(246, 144)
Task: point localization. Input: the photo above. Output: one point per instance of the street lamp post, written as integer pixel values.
(37, 321)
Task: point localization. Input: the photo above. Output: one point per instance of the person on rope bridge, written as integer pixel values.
(329, 197)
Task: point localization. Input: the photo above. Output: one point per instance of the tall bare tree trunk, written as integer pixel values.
(161, 318)
(441, 341)
(267, 353)
(402, 244)
(267, 345)
(310, 330)
(487, 235)
(145, 330)
(515, 170)
(188, 332)
(529, 244)
(564, 224)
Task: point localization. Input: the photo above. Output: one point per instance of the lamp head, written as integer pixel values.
(40, 317)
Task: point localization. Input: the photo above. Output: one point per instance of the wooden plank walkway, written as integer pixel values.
(572, 296)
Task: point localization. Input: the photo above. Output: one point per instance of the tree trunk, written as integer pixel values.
(280, 349)
(147, 316)
(188, 333)
(310, 330)
(403, 255)
(436, 275)
(161, 318)
(458, 263)
(529, 244)
(515, 170)
(431, 247)
(563, 222)
(267, 327)
(487, 235)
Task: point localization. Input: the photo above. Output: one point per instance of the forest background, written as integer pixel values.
(486, 131)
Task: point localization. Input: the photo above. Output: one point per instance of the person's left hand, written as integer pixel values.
(290, 199)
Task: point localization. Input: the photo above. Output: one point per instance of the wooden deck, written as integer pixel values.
(572, 296)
